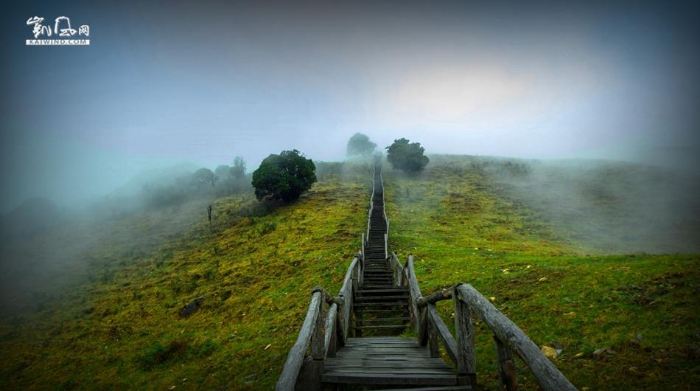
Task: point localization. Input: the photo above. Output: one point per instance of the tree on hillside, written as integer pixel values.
(222, 172)
(238, 169)
(359, 145)
(285, 176)
(204, 176)
(406, 156)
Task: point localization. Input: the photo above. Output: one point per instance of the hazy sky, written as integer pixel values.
(203, 82)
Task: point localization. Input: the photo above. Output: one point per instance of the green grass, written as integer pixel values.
(120, 329)
(111, 321)
(561, 290)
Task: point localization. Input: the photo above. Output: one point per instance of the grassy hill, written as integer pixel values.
(485, 222)
(109, 318)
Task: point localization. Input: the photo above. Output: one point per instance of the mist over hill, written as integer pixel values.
(611, 206)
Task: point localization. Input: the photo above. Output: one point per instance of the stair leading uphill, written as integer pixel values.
(381, 307)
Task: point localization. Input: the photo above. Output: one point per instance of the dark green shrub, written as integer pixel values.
(285, 176)
(406, 156)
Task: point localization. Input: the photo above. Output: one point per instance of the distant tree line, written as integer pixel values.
(225, 180)
(284, 176)
(402, 154)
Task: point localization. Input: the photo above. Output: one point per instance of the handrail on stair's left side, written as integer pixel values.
(304, 373)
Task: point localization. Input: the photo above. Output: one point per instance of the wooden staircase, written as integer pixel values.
(354, 344)
(376, 356)
(381, 306)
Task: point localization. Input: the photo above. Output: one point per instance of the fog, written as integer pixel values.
(203, 82)
(606, 207)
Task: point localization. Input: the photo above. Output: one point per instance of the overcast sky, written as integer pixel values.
(204, 82)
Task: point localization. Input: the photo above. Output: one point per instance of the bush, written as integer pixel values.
(285, 176)
(407, 156)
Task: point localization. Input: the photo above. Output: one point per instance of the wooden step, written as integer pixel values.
(381, 327)
(375, 311)
(377, 286)
(383, 320)
(386, 361)
(368, 299)
(395, 288)
(387, 304)
(432, 388)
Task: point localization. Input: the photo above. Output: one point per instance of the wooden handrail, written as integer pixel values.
(346, 293)
(443, 332)
(323, 337)
(414, 293)
(295, 358)
(386, 247)
(444, 294)
(507, 336)
(331, 338)
(397, 268)
(547, 375)
(371, 202)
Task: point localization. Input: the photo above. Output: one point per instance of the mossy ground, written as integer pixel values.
(117, 326)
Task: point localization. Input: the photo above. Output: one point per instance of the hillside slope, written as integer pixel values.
(118, 325)
(623, 322)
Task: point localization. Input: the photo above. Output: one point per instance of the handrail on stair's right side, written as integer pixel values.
(467, 301)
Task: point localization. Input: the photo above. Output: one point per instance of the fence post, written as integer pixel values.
(466, 358)
(506, 366)
(432, 335)
(317, 351)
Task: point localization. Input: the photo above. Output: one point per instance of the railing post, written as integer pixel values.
(506, 366)
(361, 274)
(466, 358)
(330, 330)
(422, 326)
(432, 336)
(386, 247)
(317, 352)
(363, 245)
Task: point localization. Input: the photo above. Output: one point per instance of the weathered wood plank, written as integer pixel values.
(506, 367)
(547, 375)
(295, 358)
(391, 370)
(380, 379)
(414, 291)
(466, 357)
(443, 332)
(387, 360)
(330, 343)
(439, 388)
(380, 364)
(444, 294)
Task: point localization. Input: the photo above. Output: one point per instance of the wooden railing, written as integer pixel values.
(468, 302)
(324, 337)
(371, 207)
